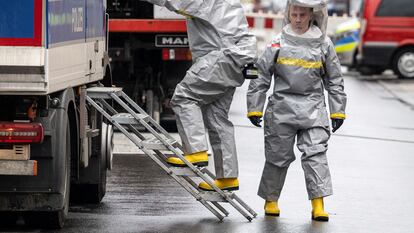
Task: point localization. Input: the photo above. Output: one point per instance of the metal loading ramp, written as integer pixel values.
(160, 146)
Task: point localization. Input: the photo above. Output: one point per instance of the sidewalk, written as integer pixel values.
(403, 90)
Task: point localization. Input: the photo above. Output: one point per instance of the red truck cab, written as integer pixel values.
(387, 37)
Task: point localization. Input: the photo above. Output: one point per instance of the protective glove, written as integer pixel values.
(336, 123)
(255, 120)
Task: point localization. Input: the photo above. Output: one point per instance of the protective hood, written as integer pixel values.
(319, 16)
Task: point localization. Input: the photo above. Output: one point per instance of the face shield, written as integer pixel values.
(319, 16)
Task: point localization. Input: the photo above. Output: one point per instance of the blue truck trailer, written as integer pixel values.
(54, 148)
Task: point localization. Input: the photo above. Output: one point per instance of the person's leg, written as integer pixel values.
(221, 134)
(313, 143)
(208, 80)
(279, 141)
(198, 88)
(190, 124)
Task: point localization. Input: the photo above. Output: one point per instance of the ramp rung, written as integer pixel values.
(127, 118)
(183, 171)
(103, 92)
(213, 196)
(155, 144)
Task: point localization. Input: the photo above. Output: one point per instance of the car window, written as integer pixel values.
(396, 8)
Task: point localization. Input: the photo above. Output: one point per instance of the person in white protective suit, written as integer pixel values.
(303, 62)
(221, 47)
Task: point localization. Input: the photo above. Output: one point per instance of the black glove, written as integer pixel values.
(336, 123)
(250, 71)
(255, 120)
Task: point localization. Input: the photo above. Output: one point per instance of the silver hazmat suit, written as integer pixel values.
(221, 45)
(302, 66)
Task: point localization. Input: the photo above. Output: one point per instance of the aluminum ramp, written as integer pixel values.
(159, 146)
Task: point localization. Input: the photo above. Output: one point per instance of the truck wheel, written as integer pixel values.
(93, 189)
(403, 63)
(98, 190)
(109, 154)
(55, 219)
(105, 161)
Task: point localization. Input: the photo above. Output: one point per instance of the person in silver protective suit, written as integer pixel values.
(303, 62)
(221, 47)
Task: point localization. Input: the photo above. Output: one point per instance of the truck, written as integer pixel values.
(149, 54)
(54, 148)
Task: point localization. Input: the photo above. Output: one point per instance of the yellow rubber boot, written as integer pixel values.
(223, 184)
(198, 159)
(318, 212)
(272, 208)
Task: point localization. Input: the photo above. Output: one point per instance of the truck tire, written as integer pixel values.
(103, 167)
(103, 164)
(109, 153)
(93, 190)
(55, 219)
(403, 63)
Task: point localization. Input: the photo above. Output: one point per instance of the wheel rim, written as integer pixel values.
(406, 64)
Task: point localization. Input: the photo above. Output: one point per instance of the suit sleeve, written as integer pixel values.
(334, 83)
(244, 52)
(256, 94)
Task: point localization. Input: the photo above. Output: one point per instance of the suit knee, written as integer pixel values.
(280, 161)
(310, 151)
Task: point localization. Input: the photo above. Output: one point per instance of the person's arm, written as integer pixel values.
(256, 94)
(244, 52)
(188, 8)
(334, 83)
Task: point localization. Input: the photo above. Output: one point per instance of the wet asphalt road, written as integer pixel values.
(371, 159)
